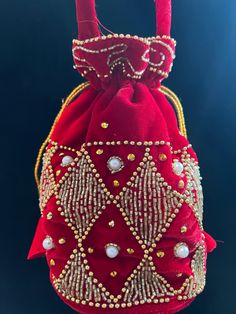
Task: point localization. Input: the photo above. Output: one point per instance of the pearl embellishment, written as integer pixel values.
(112, 250)
(48, 243)
(67, 160)
(115, 164)
(181, 250)
(177, 167)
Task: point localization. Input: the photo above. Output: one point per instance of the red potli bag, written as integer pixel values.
(120, 193)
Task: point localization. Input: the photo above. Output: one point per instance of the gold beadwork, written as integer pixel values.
(62, 241)
(90, 250)
(113, 274)
(99, 151)
(131, 157)
(160, 254)
(173, 202)
(104, 125)
(162, 157)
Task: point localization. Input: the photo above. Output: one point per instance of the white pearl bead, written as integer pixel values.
(66, 160)
(112, 250)
(48, 243)
(181, 250)
(178, 167)
(115, 164)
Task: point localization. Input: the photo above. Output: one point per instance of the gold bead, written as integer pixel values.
(160, 254)
(49, 216)
(52, 262)
(104, 125)
(113, 274)
(116, 183)
(184, 229)
(181, 184)
(58, 172)
(90, 250)
(99, 152)
(130, 251)
(162, 157)
(131, 157)
(111, 224)
(62, 241)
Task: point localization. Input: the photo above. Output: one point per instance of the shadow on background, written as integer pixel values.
(36, 72)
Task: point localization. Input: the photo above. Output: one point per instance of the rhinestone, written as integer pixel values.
(177, 167)
(115, 164)
(112, 250)
(181, 250)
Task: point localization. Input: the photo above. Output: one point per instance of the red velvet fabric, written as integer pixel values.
(125, 74)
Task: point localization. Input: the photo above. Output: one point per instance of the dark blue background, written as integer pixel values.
(36, 72)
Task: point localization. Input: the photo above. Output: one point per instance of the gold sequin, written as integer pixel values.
(160, 254)
(52, 262)
(131, 157)
(113, 274)
(181, 184)
(162, 157)
(58, 172)
(62, 241)
(90, 250)
(116, 183)
(104, 125)
(99, 152)
(130, 251)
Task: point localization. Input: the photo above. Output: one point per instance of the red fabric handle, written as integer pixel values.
(87, 19)
(88, 22)
(163, 17)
